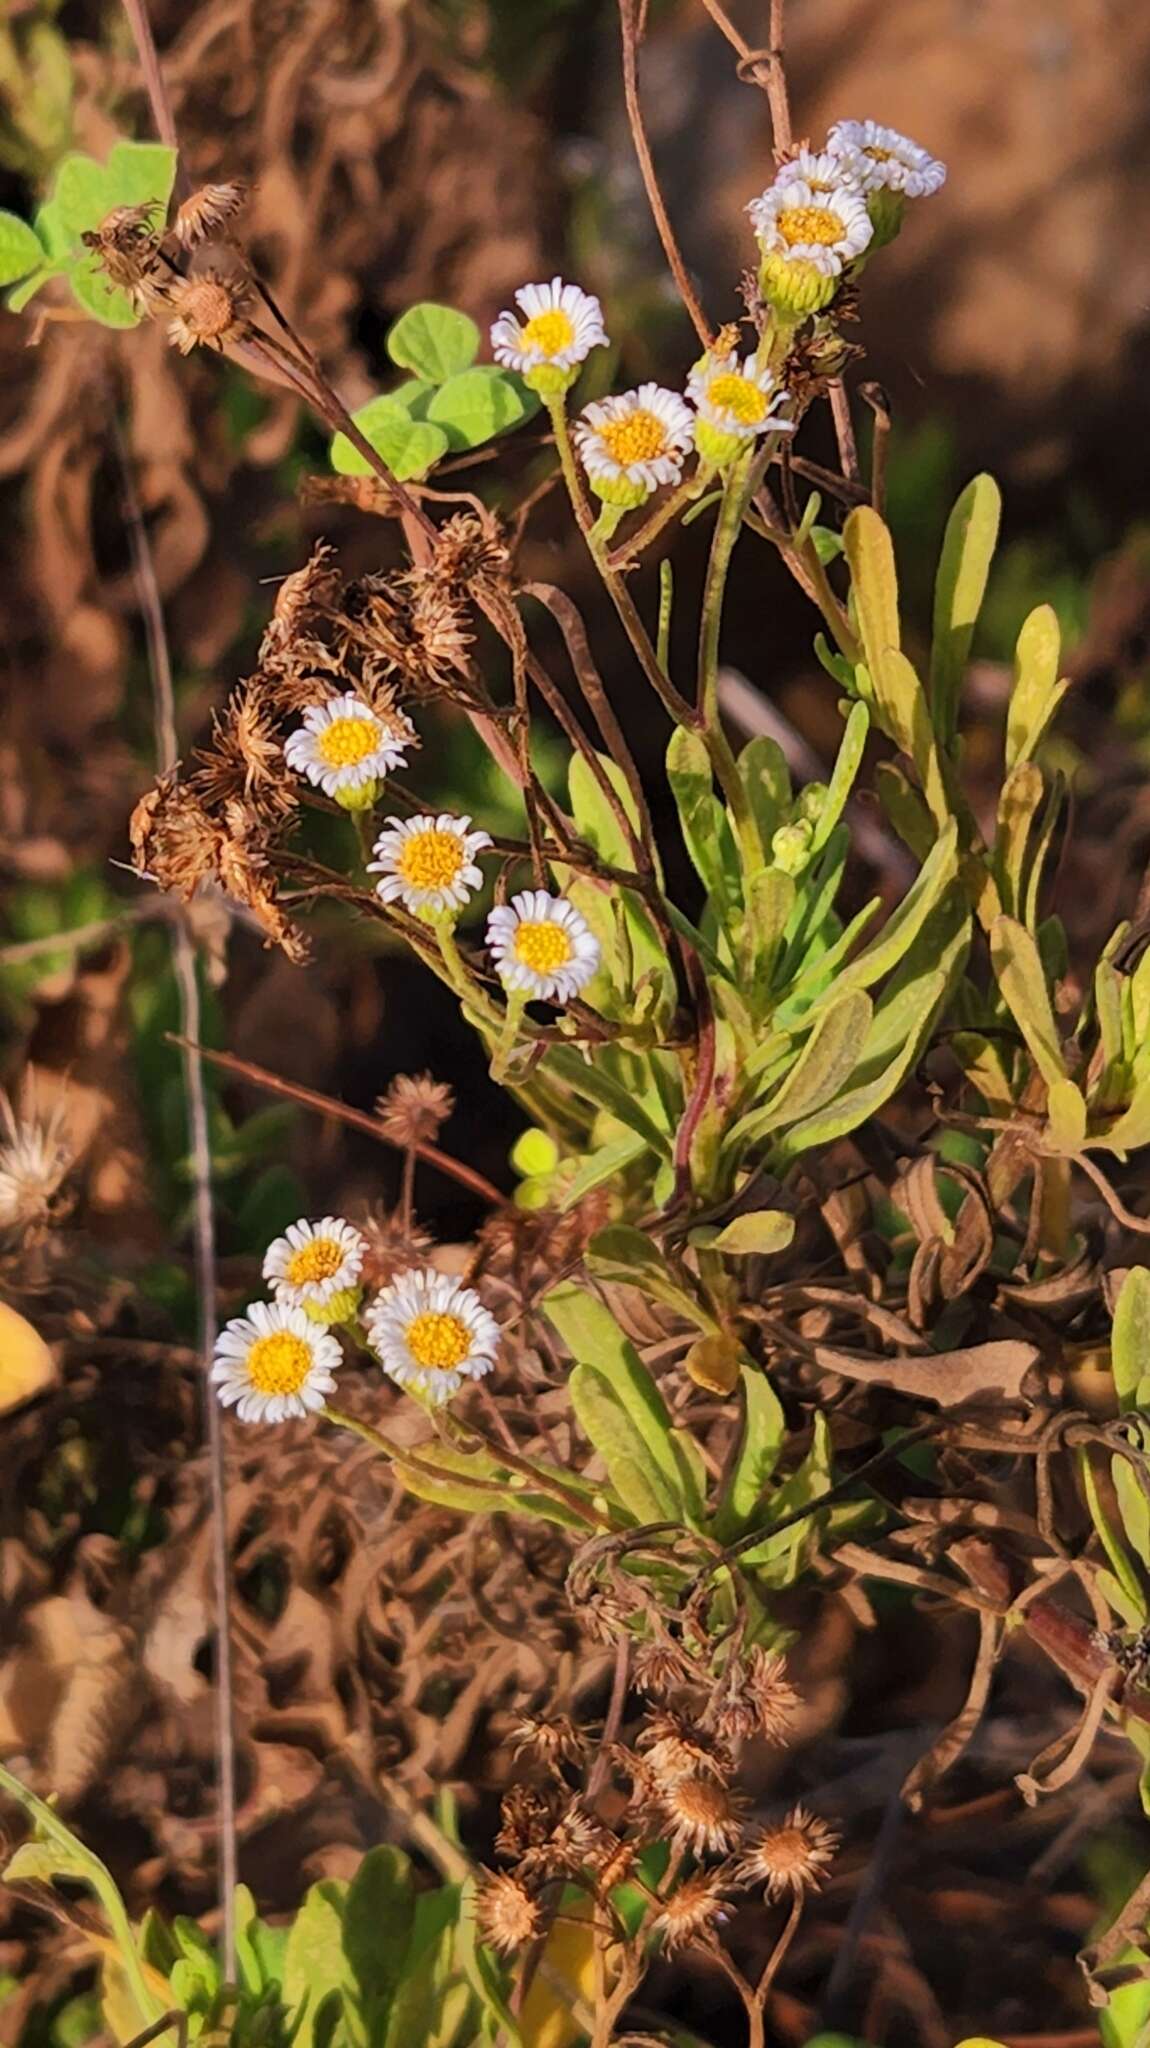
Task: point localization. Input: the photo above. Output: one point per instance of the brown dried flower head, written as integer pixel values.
(757, 1698)
(694, 1910)
(126, 246)
(580, 1841)
(509, 1914)
(414, 1109)
(677, 1748)
(792, 1856)
(207, 312)
(207, 211)
(659, 1669)
(529, 1816)
(392, 1247)
(554, 1742)
(704, 1816)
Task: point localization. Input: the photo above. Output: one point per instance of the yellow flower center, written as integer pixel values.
(877, 155)
(430, 860)
(638, 437)
(549, 332)
(347, 741)
(316, 1260)
(809, 224)
(543, 946)
(739, 396)
(438, 1341)
(279, 1364)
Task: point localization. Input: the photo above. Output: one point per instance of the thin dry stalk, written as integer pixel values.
(629, 22)
(203, 1217)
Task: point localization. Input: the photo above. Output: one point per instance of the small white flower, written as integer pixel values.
(541, 945)
(739, 400)
(314, 1262)
(826, 228)
(343, 744)
(821, 169)
(273, 1363)
(428, 863)
(431, 1334)
(879, 156)
(638, 438)
(561, 327)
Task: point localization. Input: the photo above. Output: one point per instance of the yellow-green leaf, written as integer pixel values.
(1036, 692)
(764, 1230)
(1130, 1339)
(964, 565)
(1065, 1117)
(1022, 981)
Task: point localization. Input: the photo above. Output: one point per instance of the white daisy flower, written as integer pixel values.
(273, 1363)
(880, 156)
(542, 946)
(633, 443)
(345, 748)
(826, 226)
(316, 1267)
(821, 169)
(428, 863)
(561, 326)
(734, 403)
(431, 1334)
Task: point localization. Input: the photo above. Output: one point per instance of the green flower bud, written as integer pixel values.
(338, 1308)
(795, 287)
(715, 448)
(619, 492)
(359, 799)
(791, 847)
(812, 801)
(548, 381)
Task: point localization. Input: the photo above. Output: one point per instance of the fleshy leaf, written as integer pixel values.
(1130, 1340)
(1037, 692)
(433, 341)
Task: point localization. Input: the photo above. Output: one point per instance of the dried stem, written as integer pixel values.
(204, 1237)
(629, 24)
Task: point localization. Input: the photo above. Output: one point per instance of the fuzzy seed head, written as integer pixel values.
(703, 1815)
(792, 1856)
(414, 1109)
(509, 1915)
(693, 1911)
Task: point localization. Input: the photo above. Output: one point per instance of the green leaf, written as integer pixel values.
(636, 1477)
(409, 447)
(1036, 692)
(25, 292)
(315, 1966)
(822, 1069)
(141, 171)
(767, 781)
(1130, 1339)
(781, 1555)
(105, 302)
(771, 899)
(595, 1341)
(419, 2000)
(474, 1484)
(596, 1085)
(967, 550)
(81, 196)
(761, 1231)
(434, 341)
(1065, 1116)
(608, 1163)
(847, 764)
(904, 925)
(1132, 1129)
(628, 1257)
(474, 406)
(21, 250)
(378, 1917)
(851, 1108)
(704, 823)
(763, 1435)
(1022, 981)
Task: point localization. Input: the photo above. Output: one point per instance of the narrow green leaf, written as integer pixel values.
(1022, 981)
(608, 1163)
(594, 1339)
(904, 925)
(474, 1484)
(1120, 1562)
(598, 1086)
(857, 1103)
(761, 1443)
(904, 808)
(638, 1479)
(1130, 1338)
(779, 1557)
(21, 250)
(762, 1231)
(409, 447)
(767, 780)
(434, 341)
(474, 406)
(378, 1918)
(825, 1064)
(1036, 692)
(964, 565)
(630, 1258)
(847, 764)
(706, 831)
(315, 1966)
(1065, 1116)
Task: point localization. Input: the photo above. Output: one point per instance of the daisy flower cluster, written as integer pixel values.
(823, 214)
(280, 1359)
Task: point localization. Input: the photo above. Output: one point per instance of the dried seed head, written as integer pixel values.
(528, 1818)
(792, 1856)
(694, 1911)
(35, 1159)
(676, 1748)
(126, 246)
(554, 1742)
(207, 211)
(579, 1841)
(659, 1669)
(207, 312)
(756, 1698)
(414, 1109)
(509, 1915)
(393, 1246)
(704, 1816)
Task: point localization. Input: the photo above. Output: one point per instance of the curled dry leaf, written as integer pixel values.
(997, 1370)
